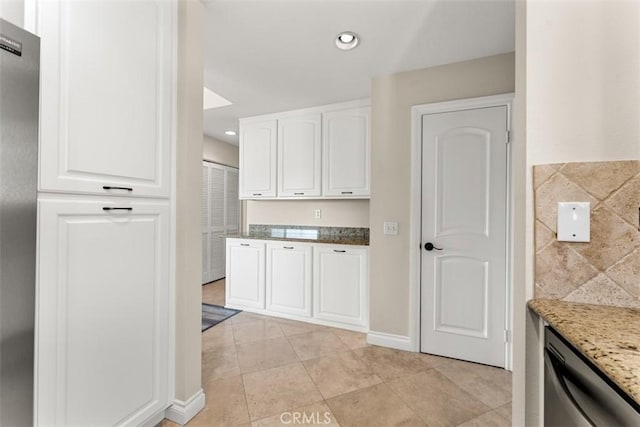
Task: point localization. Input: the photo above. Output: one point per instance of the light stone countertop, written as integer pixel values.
(608, 336)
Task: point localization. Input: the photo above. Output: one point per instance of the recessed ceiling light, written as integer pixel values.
(347, 40)
(230, 132)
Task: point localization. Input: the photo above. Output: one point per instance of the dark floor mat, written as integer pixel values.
(214, 314)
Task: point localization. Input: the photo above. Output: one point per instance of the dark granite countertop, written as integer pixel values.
(608, 336)
(311, 234)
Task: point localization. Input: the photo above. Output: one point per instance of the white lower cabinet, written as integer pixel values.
(289, 278)
(340, 284)
(245, 273)
(318, 283)
(103, 312)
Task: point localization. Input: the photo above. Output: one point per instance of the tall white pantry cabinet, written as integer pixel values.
(104, 304)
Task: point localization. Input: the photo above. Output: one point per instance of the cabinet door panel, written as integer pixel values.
(258, 146)
(299, 156)
(245, 273)
(103, 313)
(289, 278)
(340, 285)
(107, 96)
(346, 149)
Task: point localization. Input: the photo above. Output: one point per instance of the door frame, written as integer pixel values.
(415, 220)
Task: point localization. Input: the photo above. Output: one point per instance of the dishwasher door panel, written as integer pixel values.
(578, 395)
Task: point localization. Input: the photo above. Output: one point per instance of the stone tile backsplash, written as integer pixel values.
(606, 270)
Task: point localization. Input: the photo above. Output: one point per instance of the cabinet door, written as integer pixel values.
(245, 273)
(346, 147)
(107, 95)
(340, 284)
(289, 278)
(103, 312)
(258, 146)
(299, 156)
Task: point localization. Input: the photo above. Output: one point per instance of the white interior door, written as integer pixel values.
(464, 175)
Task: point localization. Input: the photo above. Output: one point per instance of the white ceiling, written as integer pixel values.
(267, 56)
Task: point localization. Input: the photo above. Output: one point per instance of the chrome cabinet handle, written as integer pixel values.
(110, 187)
(339, 251)
(107, 208)
(288, 247)
(347, 192)
(298, 194)
(257, 194)
(244, 244)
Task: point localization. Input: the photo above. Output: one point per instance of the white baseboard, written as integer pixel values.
(398, 342)
(181, 412)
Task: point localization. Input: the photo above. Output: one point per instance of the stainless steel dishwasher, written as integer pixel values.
(576, 393)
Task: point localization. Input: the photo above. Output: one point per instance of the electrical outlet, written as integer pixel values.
(318, 214)
(391, 228)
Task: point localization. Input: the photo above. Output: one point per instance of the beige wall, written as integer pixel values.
(339, 213)
(522, 377)
(580, 64)
(217, 151)
(583, 81)
(392, 99)
(188, 196)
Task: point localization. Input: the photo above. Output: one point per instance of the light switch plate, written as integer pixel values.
(574, 221)
(391, 228)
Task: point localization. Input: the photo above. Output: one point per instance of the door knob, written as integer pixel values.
(429, 246)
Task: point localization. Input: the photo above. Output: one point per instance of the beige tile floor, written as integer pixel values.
(264, 371)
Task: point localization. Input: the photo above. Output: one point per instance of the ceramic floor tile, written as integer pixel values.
(389, 363)
(316, 344)
(246, 316)
(340, 373)
(491, 386)
(436, 399)
(220, 363)
(220, 335)
(256, 330)
(273, 391)
(226, 404)
(316, 414)
(265, 354)
(374, 406)
(213, 293)
(489, 419)
(292, 327)
(504, 411)
(351, 339)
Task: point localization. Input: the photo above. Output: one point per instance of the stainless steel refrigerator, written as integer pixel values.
(19, 86)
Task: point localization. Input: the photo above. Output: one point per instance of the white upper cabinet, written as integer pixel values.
(299, 153)
(320, 152)
(346, 152)
(258, 147)
(107, 96)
